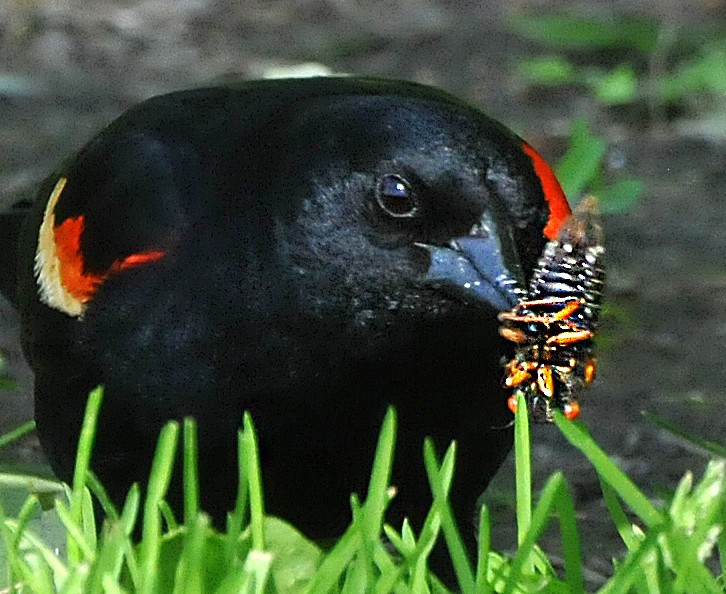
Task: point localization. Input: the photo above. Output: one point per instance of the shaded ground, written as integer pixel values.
(66, 71)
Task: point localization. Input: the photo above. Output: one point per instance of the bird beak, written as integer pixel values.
(482, 266)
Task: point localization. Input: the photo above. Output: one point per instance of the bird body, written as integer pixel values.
(311, 251)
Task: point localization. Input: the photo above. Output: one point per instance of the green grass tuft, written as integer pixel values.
(671, 549)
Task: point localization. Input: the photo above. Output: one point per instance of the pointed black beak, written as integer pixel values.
(482, 266)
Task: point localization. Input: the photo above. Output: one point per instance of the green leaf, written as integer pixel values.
(581, 164)
(546, 70)
(295, 557)
(618, 86)
(576, 32)
(621, 196)
(701, 74)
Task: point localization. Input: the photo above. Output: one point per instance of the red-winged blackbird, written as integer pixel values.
(308, 250)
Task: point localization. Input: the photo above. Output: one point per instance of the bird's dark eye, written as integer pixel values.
(395, 196)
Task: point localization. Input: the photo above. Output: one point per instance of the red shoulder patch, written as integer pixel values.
(79, 283)
(556, 200)
(63, 281)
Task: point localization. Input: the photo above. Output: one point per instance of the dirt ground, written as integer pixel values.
(66, 70)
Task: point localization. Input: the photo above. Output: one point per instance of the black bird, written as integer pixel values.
(308, 250)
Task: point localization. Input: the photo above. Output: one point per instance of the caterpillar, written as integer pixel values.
(554, 326)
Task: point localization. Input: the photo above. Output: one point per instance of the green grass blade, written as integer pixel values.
(377, 498)
(387, 582)
(424, 546)
(481, 584)
(109, 558)
(360, 569)
(358, 576)
(101, 495)
(554, 496)
(438, 477)
(577, 435)
(617, 513)
(432, 525)
(30, 505)
(88, 524)
(75, 534)
(168, 516)
(127, 521)
(16, 434)
(22, 565)
(421, 549)
(191, 472)
(257, 565)
(722, 552)
(159, 478)
(254, 478)
(630, 570)
(335, 562)
(130, 511)
(401, 543)
(83, 460)
(30, 483)
(110, 586)
(570, 539)
(11, 542)
(189, 577)
(235, 520)
(523, 469)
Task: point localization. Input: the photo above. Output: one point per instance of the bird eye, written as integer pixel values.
(396, 197)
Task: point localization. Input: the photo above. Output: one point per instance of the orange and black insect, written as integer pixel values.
(554, 326)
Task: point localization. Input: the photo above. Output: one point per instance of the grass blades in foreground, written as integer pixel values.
(667, 549)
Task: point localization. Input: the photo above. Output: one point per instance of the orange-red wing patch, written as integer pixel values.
(556, 200)
(82, 285)
(136, 260)
(78, 283)
(63, 281)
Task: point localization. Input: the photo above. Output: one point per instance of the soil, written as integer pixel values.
(67, 70)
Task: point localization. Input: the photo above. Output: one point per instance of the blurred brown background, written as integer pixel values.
(68, 67)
